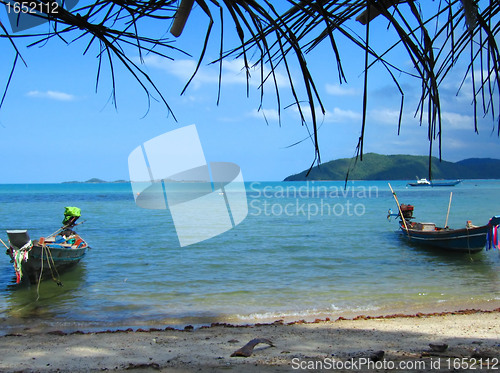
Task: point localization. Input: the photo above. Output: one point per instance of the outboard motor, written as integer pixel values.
(407, 211)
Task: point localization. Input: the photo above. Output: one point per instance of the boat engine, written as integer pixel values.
(407, 211)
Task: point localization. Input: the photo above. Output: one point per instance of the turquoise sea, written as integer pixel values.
(305, 250)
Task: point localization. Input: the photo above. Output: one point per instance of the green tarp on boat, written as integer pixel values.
(70, 213)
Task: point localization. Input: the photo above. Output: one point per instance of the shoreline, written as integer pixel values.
(280, 321)
(33, 325)
(470, 334)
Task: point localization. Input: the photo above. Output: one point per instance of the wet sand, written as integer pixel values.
(385, 343)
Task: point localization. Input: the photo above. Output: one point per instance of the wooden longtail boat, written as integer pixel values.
(48, 256)
(470, 239)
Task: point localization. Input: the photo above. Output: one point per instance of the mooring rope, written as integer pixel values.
(468, 244)
(52, 267)
(40, 275)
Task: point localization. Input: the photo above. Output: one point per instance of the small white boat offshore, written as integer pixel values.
(424, 182)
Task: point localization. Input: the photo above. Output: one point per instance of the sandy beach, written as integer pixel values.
(470, 339)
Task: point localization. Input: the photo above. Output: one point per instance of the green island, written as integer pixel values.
(400, 167)
(95, 180)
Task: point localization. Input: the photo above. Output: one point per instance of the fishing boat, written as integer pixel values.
(470, 239)
(426, 183)
(48, 256)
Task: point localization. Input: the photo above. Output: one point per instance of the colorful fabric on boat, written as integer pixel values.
(492, 237)
(495, 237)
(20, 256)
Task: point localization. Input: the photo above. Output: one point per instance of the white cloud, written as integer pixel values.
(233, 72)
(462, 88)
(269, 114)
(336, 115)
(455, 144)
(338, 90)
(339, 115)
(457, 121)
(450, 120)
(387, 116)
(182, 69)
(52, 95)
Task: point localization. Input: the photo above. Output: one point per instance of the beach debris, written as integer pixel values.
(154, 366)
(247, 350)
(438, 347)
(377, 355)
(370, 354)
(57, 332)
(485, 353)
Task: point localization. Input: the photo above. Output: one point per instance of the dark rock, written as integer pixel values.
(377, 355)
(438, 347)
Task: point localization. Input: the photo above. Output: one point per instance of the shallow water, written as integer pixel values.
(305, 249)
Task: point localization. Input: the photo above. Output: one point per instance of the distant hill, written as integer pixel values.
(94, 180)
(401, 167)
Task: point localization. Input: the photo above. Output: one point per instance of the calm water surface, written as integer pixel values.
(305, 249)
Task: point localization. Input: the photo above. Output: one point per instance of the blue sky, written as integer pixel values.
(55, 127)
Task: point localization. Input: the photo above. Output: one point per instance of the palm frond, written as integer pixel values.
(279, 35)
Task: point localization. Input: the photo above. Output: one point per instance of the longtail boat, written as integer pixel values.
(470, 239)
(47, 256)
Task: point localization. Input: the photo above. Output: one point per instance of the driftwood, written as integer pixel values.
(247, 350)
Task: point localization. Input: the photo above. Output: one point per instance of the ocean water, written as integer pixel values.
(306, 249)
